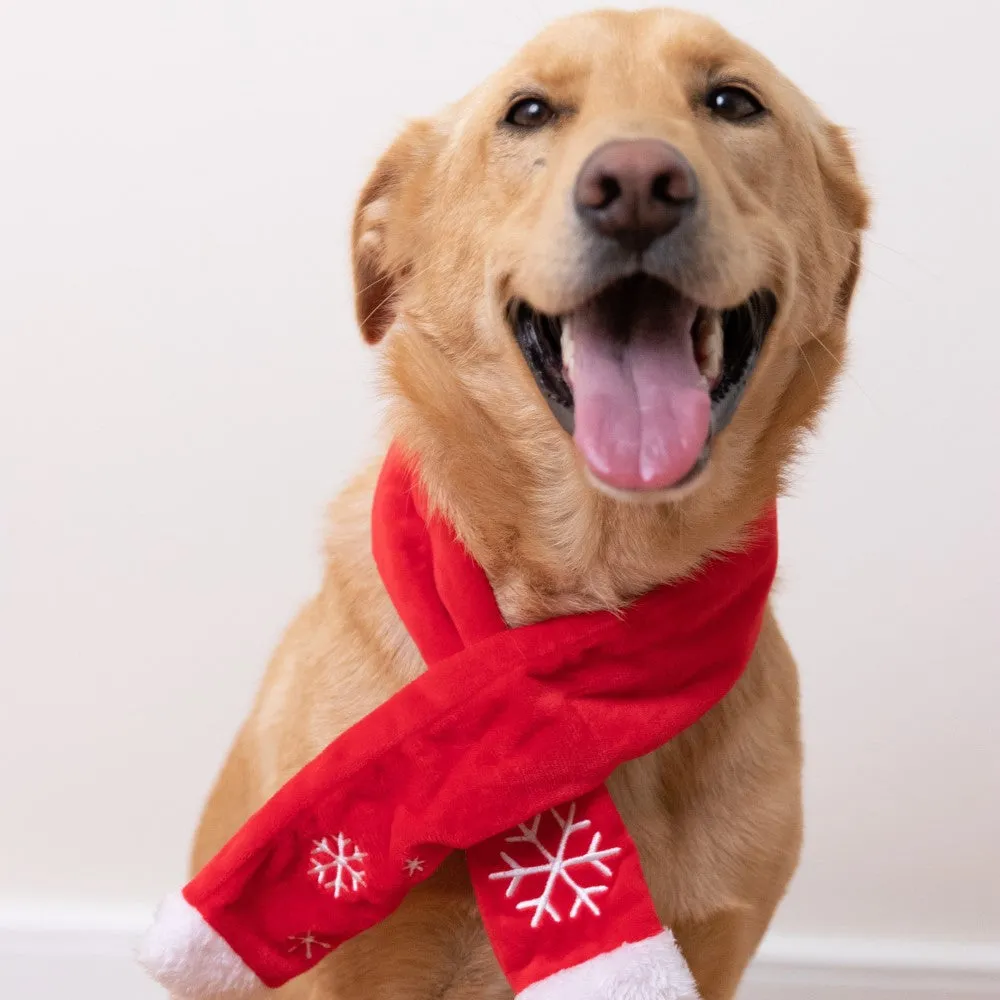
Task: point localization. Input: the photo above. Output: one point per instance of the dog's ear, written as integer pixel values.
(380, 248)
(847, 198)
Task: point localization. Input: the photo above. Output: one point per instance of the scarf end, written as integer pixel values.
(653, 969)
(190, 959)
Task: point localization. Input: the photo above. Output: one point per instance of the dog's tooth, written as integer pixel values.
(712, 348)
(566, 342)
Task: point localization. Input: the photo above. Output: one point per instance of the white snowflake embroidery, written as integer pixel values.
(413, 865)
(307, 941)
(555, 867)
(341, 863)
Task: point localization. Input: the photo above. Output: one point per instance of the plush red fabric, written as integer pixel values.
(536, 942)
(506, 725)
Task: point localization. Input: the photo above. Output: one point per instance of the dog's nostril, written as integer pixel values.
(610, 191)
(674, 186)
(661, 187)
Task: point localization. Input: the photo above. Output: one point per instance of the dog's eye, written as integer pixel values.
(529, 112)
(733, 103)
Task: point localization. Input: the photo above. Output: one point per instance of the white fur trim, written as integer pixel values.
(187, 957)
(653, 969)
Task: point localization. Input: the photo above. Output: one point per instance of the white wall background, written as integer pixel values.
(182, 390)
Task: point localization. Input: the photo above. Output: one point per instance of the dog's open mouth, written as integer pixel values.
(643, 377)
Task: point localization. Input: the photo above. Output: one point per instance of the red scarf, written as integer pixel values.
(500, 749)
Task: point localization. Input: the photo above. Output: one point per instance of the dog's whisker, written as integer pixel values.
(396, 290)
(817, 339)
(812, 371)
(393, 276)
(886, 246)
(868, 267)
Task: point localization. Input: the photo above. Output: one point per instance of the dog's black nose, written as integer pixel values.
(635, 190)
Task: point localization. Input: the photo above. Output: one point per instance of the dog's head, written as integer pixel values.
(620, 268)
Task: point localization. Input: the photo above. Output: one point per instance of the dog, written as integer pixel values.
(610, 287)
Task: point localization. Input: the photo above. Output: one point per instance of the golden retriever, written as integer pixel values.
(612, 285)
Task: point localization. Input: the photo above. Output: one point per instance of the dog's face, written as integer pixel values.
(624, 262)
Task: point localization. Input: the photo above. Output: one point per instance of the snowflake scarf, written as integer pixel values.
(500, 749)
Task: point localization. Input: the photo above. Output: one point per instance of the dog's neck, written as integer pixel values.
(551, 543)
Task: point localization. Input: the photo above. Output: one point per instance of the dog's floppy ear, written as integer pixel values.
(380, 248)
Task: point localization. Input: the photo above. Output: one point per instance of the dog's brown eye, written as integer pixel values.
(733, 103)
(529, 112)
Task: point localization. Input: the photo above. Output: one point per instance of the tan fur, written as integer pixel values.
(458, 217)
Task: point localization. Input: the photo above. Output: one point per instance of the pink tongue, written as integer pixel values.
(641, 405)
